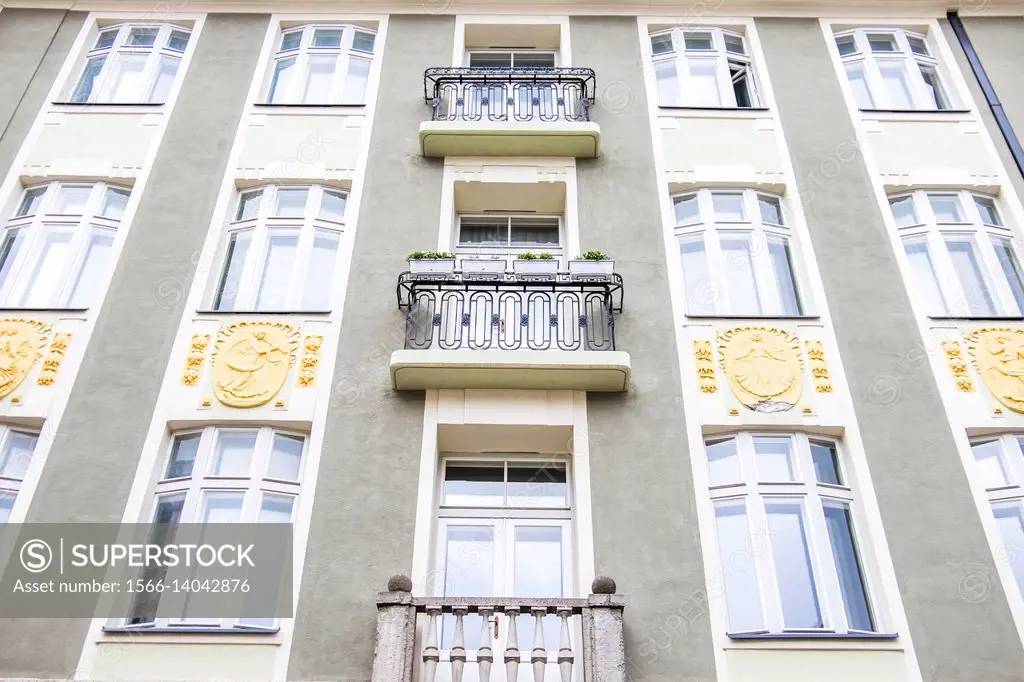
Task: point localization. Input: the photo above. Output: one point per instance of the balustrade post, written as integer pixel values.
(539, 656)
(512, 646)
(604, 649)
(396, 632)
(485, 654)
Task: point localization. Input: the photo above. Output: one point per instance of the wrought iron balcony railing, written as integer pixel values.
(510, 313)
(536, 94)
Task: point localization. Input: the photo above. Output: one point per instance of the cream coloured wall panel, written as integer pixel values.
(92, 144)
(930, 153)
(301, 146)
(721, 150)
(788, 665)
(140, 660)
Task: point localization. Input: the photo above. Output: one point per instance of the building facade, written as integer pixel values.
(787, 420)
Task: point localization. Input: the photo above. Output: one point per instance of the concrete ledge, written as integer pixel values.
(499, 138)
(417, 370)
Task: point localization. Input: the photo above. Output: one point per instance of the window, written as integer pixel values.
(57, 249)
(999, 465)
(791, 495)
(891, 69)
(131, 64)
(709, 67)
(224, 475)
(280, 251)
(736, 254)
(494, 234)
(961, 254)
(17, 448)
(321, 64)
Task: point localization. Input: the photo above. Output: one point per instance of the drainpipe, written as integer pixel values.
(990, 92)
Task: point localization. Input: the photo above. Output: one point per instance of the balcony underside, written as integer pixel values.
(580, 139)
(416, 370)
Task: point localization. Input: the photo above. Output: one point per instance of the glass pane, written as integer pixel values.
(698, 41)
(947, 208)
(169, 508)
(859, 85)
(771, 211)
(165, 74)
(9, 251)
(17, 454)
(917, 45)
(926, 283)
(7, 498)
(851, 578)
(903, 211)
(728, 207)
(30, 202)
(897, 84)
(967, 264)
(356, 79)
(701, 291)
(826, 463)
(483, 232)
(990, 465)
(320, 73)
(286, 457)
(468, 572)
(276, 508)
(126, 78)
(71, 199)
(538, 574)
(363, 41)
(987, 209)
(523, 60)
(94, 266)
(249, 205)
(221, 507)
(792, 561)
(744, 298)
(291, 203)
(774, 457)
(661, 44)
(114, 202)
(687, 211)
(723, 462)
(474, 485)
(846, 44)
(881, 42)
(785, 279)
(227, 290)
(178, 41)
(936, 95)
(491, 59)
(333, 206)
(232, 456)
(1011, 270)
(742, 84)
(327, 37)
(277, 271)
(742, 597)
(734, 44)
(87, 81)
(105, 39)
(537, 485)
(291, 41)
(1010, 521)
(530, 231)
(668, 83)
(46, 276)
(183, 456)
(702, 85)
(319, 277)
(281, 81)
(142, 37)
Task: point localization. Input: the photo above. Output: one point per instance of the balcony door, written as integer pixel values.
(530, 101)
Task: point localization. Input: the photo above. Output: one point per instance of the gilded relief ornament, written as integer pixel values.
(194, 360)
(819, 367)
(310, 359)
(957, 366)
(704, 358)
(21, 345)
(54, 359)
(251, 362)
(763, 367)
(998, 357)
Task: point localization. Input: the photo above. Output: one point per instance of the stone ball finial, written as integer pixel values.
(602, 585)
(400, 583)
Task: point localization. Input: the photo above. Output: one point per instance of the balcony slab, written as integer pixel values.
(417, 370)
(516, 138)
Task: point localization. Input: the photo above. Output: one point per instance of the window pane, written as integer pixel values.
(851, 578)
(491, 59)
(363, 41)
(142, 37)
(723, 462)
(286, 457)
(474, 485)
(232, 455)
(771, 211)
(114, 202)
(319, 75)
(178, 41)
(792, 560)
(1010, 521)
(530, 231)
(1011, 270)
(317, 295)
(7, 498)
(965, 259)
(742, 84)
(537, 485)
(947, 208)
(105, 39)
(774, 457)
(221, 507)
(744, 298)
(291, 203)
(227, 290)
(291, 41)
(355, 81)
(9, 252)
(881, 42)
(126, 78)
(859, 85)
(71, 199)
(926, 283)
(30, 202)
(327, 37)
(742, 596)
(183, 456)
(169, 508)
(17, 454)
(917, 45)
(698, 41)
(661, 44)
(249, 205)
(846, 44)
(728, 207)
(987, 209)
(988, 457)
(483, 232)
(668, 83)
(468, 572)
(45, 279)
(278, 265)
(333, 206)
(826, 463)
(903, 211)
(522, 60)
(785, 279)
(94, 267)
(280, 83)
(165, 74)
(936, 95)
(686, 210)
(87, 81)
(702, 84)
(701, 292)
(537, 557)
(276, 509)
(734, 44)
(897, 84)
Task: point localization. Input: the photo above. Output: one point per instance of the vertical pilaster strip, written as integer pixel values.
(931, 521)
(108, 413)
(645, 518)
(365, 506)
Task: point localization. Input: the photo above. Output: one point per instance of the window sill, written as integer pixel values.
(708, 112)
(109, 105)
(916, 115)
(851, 636)
(753, 317)
(969, 318)
(262, 312)
(309, 109)
(43, 310)
(143, 630)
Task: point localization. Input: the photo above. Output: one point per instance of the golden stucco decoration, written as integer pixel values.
(819, 366)
(194, 360)
(998, 357)
(21, 345)
(54, 359)
(763, 366)
(957, 366)
(704, 358)
(310, 359)
(251, 362)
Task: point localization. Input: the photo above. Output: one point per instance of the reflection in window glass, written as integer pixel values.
(278, 266)
(744, 298)
(785, 280)
(792, 558)
(468, 485)
(1010, 520)
(903, 211)
(963, 253)
(723, 462)
(742, 595)
(701, 292)
(826, 463)
(990, 465)
(320, 275)
(537, 485)
(227, 291)
(774, 457)
(233, 453)
(925, 280)
(97, 261)
(851, 577)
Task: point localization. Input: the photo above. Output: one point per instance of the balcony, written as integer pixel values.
(509, 331)
(587, 633)
(489, 111)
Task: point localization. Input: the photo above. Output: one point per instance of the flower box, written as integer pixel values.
(591, 270)
(484, 268)
(431, 268)
(543, 269)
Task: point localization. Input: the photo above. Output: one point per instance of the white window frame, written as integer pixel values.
(10, 477)
(14, 287)
(254, 488)
(1011, 460)
(260, 228)
(509, 251)
(723, 59)
(722, 272)
(103, 83)
(929, 231)
(512, 52)
(912, 62)
(752, 492)
(345, 54)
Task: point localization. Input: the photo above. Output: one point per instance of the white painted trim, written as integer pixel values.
(563, 57)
